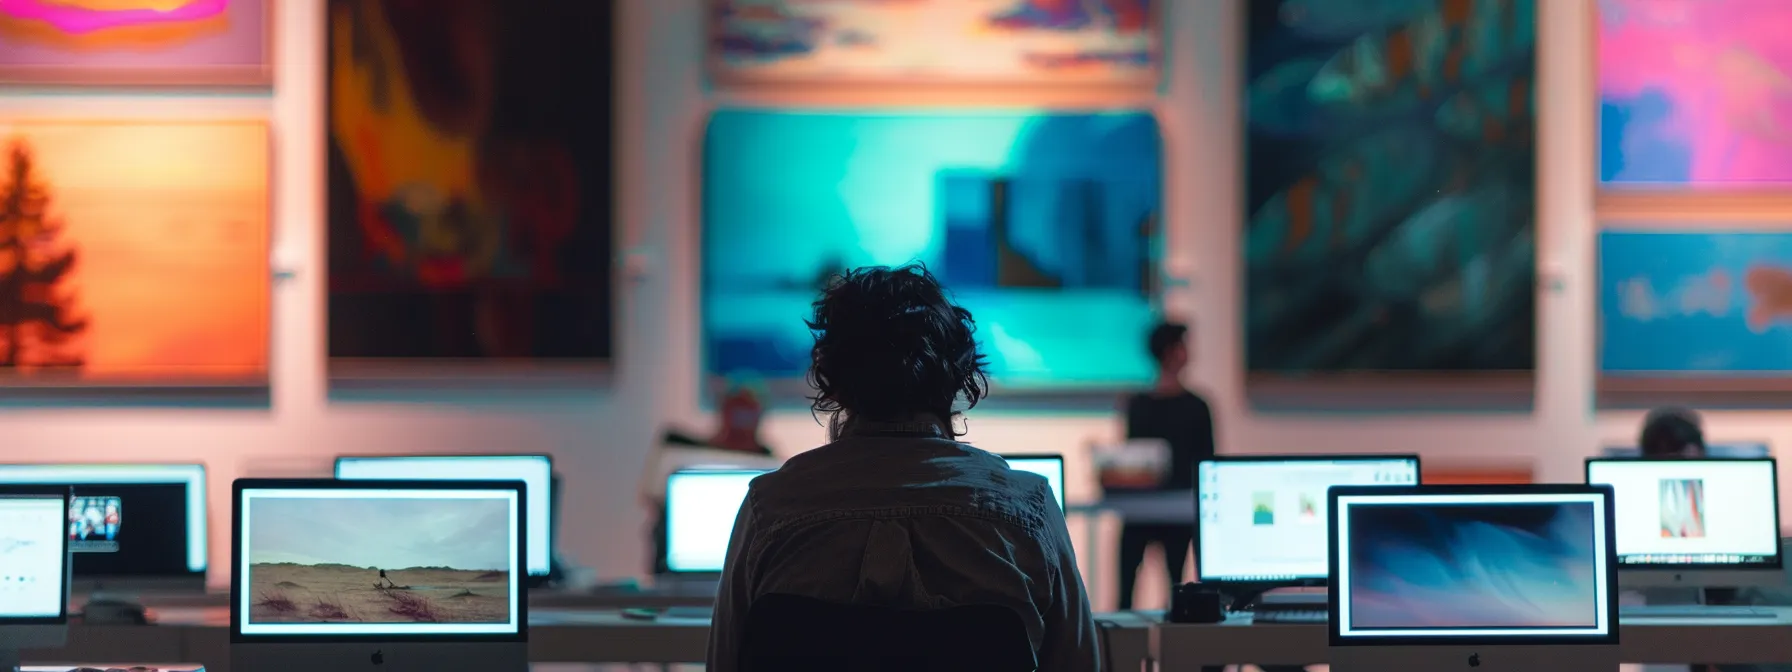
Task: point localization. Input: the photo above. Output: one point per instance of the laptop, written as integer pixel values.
(1500, 578)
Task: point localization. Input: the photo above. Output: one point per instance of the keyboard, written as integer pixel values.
(1693, 611)
(1291, 616)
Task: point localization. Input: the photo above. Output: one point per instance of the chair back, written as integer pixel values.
(789, 633)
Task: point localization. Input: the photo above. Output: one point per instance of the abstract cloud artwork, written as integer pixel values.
(469, 182)
(136, 42)
(1045, 226)
(1695, 92)
(936, 41)
(133, 253)
(1390, 162)
(1721, 299)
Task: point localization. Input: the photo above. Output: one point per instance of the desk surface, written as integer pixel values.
(1642, 640)
(596, 636)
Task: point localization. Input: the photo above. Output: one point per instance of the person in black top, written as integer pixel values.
(1671, 433)
(1181, 418)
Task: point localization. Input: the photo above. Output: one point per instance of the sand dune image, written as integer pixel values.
(379, 560)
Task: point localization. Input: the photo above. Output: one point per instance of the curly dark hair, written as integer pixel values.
(890, 345)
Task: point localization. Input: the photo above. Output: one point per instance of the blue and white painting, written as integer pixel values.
(1695, 304)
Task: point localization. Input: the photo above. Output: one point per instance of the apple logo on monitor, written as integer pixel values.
(1474, 660)
(379, 658)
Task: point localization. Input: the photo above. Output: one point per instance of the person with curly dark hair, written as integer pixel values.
(895, 511)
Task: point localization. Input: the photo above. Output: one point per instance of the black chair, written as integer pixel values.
(787, 633)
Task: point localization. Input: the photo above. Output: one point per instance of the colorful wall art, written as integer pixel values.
(469, 168)
(936, 41)
(1695, 304)
(1389, 177)
(1695, 92)
(136, 42)
(135, 253)
(1044, 226)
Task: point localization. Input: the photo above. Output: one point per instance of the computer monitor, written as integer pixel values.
(535, 470)
(1500, 578)
(387, 576)
(1260, 519)
(131, 526)
(1695, 523)
(34, 569)
(1049, 466)
(701, 505)
(1714, 450)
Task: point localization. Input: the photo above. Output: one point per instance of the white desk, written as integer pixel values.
(1178, 646)
(555, 636)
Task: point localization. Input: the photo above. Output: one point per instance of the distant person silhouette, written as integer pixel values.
(385, 582)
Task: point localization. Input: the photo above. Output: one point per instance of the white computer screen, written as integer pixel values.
(347, 561)
(1051, 467)
(1472, 565)
(33, 564)
(123, 482)
(700, 511)
(1680, 512)
(535, 471)
(1264, 520)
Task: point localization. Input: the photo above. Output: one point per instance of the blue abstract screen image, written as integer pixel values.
(1508, 565)
(1695, 304)
(1043, 225)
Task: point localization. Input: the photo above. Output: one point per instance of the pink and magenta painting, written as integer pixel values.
(1109, 42)
(1695, 93)
(136, 42)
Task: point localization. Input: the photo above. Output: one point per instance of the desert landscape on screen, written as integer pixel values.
(379, 560)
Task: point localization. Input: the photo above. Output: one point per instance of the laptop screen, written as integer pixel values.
(129, 520)
(1049, 466)
(332, 561)
(535, 470)
(33, 557)
(1681, 513)
(700, 510)
(1263, 519)
(1471, 563)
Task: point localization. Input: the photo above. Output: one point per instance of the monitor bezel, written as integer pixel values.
(236, 559)
(1063, 497)
(1304, 582)
(184, 580)
(1778, 562)
(534, 580)
(665, 545)
(1610, 637)
(36, 491)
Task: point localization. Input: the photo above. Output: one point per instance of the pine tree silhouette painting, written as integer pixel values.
(38, 326)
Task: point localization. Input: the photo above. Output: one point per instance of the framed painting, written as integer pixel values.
(1024, 42)
(137, 42)
(1694, 311)
(1028, 217)
(1390, 198)
(469, 186)
(1693, 93)
(136, 253)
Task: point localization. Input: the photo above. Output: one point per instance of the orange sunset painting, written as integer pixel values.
(133, 253)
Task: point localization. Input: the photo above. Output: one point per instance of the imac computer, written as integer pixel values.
(34, 570)
(1049, 466)
(1695, 523)
(1260, 520)
(1491, 578)
(131, 527)
(535, 470)
(1714, 450)
(387, 576)
(701, 505)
